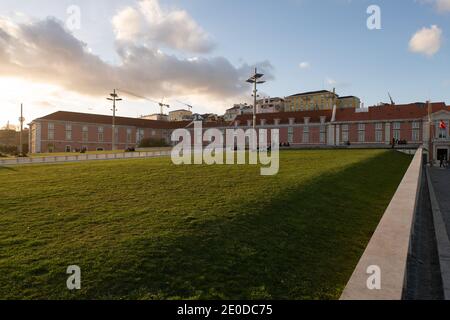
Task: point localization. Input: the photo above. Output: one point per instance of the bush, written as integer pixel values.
(152, 143)
(8, 149)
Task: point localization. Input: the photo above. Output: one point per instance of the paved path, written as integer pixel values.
(439, 180)
(441, 183)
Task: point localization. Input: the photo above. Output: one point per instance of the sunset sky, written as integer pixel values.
(201, 52)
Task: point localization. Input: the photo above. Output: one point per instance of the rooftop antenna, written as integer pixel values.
(390, 97)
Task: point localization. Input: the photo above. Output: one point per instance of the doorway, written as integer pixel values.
(442, 154)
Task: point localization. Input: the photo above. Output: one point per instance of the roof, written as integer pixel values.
(309, 93)
(184, 110)
(285, 116)
(390, 112)
(347, 97)
(120, 121)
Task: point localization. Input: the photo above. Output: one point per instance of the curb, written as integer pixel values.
(442, 239)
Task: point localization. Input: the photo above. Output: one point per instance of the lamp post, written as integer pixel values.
(115, 97)
(255, 79)
(21, 119)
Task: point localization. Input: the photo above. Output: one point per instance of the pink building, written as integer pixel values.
(375, 127)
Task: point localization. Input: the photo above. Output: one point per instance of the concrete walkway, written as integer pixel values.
(439, 180)
(441, 183)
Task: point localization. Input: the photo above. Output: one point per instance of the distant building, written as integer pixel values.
(11, 137)
(270, 105)
(180, 115)
(308, 101)
(156, 117)
(348, 102)
(319, 100)
(236, 110)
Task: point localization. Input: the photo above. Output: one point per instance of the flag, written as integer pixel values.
(443, 125)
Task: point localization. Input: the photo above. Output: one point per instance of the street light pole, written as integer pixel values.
(115, 97)
(21, 119)
(255, 79)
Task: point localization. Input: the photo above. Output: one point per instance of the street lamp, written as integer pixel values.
(115, 97)
(255, 79)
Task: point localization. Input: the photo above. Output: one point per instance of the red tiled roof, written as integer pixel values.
(120, 121)
(389, 112)
(285, 116)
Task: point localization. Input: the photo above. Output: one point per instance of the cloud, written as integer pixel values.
(443, 5)
(304, 65)
(426, 41)
(149, 24)
(44, 51)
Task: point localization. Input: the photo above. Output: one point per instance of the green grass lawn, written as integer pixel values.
(147, 229)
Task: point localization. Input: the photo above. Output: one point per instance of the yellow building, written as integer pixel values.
(319, 100)
(180, 115)
(348, 102)
(315, 100)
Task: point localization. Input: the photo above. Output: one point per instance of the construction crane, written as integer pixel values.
(390, 97)
(187, 105)
(161, 104)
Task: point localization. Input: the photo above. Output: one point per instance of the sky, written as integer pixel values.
(69, 55)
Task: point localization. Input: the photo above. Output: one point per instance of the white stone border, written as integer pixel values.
(389, 246)
(82, 157)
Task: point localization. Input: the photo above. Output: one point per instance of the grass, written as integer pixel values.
(147, 229)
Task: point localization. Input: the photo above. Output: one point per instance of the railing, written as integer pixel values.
(83, 157)
(386, 255)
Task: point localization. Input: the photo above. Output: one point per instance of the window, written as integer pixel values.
(68, 132)
(442, 133)
(396, 134)
(153, 132)
(323, 133)
(396, 130)
(415, 135)
(416, 125)
(379, 136)
(345, 133)
(291, 135)
(139, 135)
(51, 131)
(361, 132)
(305, 137)
(361, 136)
(100, 134)
(68, 148)
(128, 135)
(379, 132)
(85, 133)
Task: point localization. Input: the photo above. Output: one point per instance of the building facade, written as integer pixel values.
(180, 115)
(270, 105)
(319, 100)
(375, 127)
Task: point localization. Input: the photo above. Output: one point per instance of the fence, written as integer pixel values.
(83, 157)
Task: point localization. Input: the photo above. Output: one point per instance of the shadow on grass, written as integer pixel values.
(303, 245)
(7, 168)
